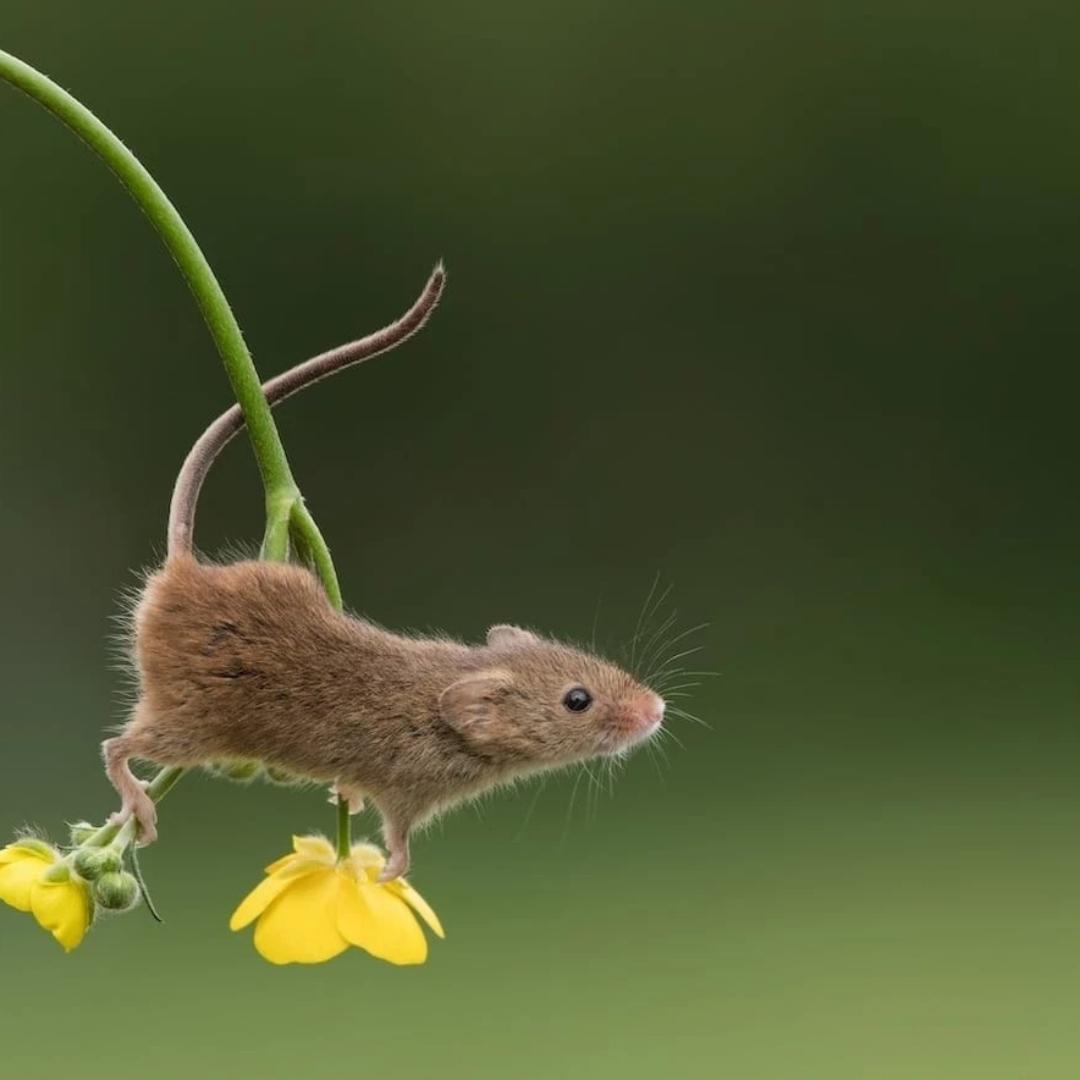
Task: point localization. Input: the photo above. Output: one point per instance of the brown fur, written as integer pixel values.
(250, 662)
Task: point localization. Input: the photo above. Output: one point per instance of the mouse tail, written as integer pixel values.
(213, 440)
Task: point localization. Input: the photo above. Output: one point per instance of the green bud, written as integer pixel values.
(281, 777)
(91, 863)
(80, 832)
(241, 771)
(32, 843)
(116, 891)
(59, 872)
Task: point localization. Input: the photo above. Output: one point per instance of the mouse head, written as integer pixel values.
(536, 700)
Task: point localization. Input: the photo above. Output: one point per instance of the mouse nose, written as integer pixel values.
(651, 709)
(637, 718)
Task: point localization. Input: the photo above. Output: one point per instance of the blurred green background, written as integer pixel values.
(775, 299)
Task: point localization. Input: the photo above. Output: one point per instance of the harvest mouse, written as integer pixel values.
(248, 661)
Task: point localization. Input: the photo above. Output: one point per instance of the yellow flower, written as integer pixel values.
(313, 906)
(61, 906)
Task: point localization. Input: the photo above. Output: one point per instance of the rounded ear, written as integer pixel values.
(504, 634)
(469, 705)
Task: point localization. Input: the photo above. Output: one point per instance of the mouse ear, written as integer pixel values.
(469, 705)
(504, 634)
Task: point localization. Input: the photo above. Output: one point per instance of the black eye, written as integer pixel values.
(578, 699)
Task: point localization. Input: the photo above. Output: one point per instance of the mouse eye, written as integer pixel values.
(578, 699)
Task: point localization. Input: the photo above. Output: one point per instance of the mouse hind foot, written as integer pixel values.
(134, 802)
(396, 835)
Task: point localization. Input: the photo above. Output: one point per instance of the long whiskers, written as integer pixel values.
(532, 806)
(667, 733)
(655, 638)
(660, 660)
(683, 714)
(674, 659)
(657, 755)
(595, 623)
(570, 809)
(592, 794)
(648, 611)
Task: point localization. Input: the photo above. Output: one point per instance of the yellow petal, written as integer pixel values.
(307, 849)
(317, 848)
(367, 860)
(62, 908)
(374, 919)
(400, 887)
(300, 925)
(15, 852)
(18, 876)
(280, 864)
(268, 890)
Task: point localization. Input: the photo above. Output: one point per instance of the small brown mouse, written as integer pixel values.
(249, 661)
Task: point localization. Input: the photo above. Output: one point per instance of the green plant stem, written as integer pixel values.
(157, 789)
(309, 540)
(269, 452)
(344, 828)
(284, 504)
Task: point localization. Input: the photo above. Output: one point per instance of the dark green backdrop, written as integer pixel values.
(777, 299)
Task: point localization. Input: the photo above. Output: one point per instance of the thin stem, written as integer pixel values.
(157, 789)
(269, 452)
(307, 536)
(282, 493)
(344, 828)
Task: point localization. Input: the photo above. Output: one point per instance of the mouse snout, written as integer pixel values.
(643, 715)
(651, 708)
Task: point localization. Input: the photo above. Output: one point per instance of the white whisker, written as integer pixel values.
(570, 810)
(641, 618)
(644, 663)
(532, 806)
(674, 641)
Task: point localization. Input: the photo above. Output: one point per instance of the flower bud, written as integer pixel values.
(32, 843)
(281, 777)
(241, 771)
(81, 831)
(116, 891)
(91, 863)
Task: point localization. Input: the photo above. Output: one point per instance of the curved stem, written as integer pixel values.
(282, 493)
(269, 452)
(306, 535)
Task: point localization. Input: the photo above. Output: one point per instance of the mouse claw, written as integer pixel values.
(395, 868)
(145, 814)
(396, 838)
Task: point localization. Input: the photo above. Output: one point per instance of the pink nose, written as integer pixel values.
(650, 709)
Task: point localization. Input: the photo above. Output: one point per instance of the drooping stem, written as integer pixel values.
(344, 828)
(280, 487)
(284, 504)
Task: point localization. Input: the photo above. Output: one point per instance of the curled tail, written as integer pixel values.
(213, 440)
